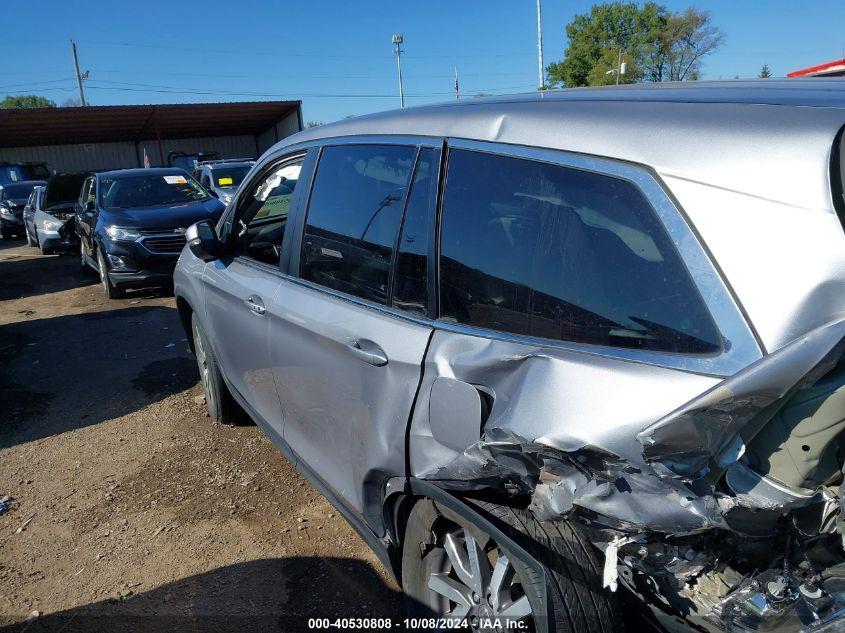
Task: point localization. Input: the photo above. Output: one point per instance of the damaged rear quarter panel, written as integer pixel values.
(551, 395)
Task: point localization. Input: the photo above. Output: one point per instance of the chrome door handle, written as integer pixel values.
(256, 304)
(367, 351)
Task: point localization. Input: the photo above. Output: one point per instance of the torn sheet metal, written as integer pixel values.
(714, 426)
(626, 497)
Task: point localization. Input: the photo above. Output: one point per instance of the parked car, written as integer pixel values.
(13, 199)
(189, 160)
(48, 209)
(222, 177)
(19, 172)
(131, 224)
(544, 350)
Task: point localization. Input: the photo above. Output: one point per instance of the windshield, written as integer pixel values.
(227, 177)
(149, 191)
(17, 192)
(18, 173)
(63, 189)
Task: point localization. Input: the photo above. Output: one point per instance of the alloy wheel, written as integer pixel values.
(479, 583)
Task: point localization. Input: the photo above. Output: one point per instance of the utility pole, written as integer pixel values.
(619, 66)
(457, 92)
(541, 73)
(78, 75)
(397, 48)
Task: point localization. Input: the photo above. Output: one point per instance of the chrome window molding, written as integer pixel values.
(740, 347)
(660, 359)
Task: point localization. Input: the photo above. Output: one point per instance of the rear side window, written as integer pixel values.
(543, 250)
(354, 216)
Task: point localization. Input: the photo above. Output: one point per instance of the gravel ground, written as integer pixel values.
(132, 510)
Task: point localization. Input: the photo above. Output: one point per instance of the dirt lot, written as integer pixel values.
(144, 514)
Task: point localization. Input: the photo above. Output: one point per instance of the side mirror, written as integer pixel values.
(203, 241)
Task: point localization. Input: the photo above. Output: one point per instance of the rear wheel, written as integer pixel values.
(110, 290)
(219, 403)
(452, 569)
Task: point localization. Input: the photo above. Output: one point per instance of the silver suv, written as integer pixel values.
(551, 352)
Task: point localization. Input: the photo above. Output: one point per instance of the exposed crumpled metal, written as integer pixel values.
(713, 426)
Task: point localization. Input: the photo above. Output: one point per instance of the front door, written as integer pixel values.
(347, 355)
(242, 284)
(86, 217)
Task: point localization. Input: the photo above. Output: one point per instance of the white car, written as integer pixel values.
(48, 209)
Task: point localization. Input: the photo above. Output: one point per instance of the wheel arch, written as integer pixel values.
(398, 507)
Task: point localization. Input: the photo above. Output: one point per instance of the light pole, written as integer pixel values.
(397, 48)
(541, 70)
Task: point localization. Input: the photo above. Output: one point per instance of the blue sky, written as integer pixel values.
(337, 57)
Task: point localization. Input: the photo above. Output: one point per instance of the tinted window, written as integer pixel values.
(16, 192)
(263, 214)
(17, 173)
(410, 286)
(559, 253)
(354, 216)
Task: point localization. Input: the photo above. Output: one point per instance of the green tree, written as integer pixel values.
(26, 101)
(596, 38)
(765, 73)
(656, 44)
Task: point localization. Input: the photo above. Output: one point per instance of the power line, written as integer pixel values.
(155, 88)
(252, 52)
(35, 83)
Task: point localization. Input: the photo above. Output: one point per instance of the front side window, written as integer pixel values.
(538, 249)
(354, 216)
(86, 189)
(262, 217)
(125, 192)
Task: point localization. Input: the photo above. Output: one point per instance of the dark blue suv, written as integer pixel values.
(131, 224)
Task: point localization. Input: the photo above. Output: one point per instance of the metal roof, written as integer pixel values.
(757, 137)
(836, 68)
(27, 127)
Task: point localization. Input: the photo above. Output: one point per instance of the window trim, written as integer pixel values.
(740, 347)
(224, 225)
(296, 267)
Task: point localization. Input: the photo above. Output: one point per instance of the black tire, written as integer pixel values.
(111, 291)
(577, 601)
(29, 240)
(219, 403)
(45, 250)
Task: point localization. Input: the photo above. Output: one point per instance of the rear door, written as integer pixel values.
(575, 308)
(350, 325)
(240, 285)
